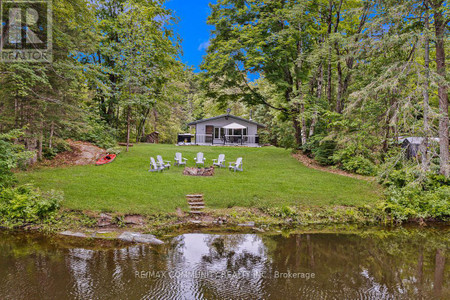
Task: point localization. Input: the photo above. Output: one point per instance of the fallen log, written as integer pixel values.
(125, 144)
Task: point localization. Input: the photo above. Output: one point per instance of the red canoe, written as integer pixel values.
(105, 159)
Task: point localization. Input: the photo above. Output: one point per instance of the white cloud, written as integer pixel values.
(203, 46)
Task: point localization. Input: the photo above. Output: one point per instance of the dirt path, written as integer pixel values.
(311, 163)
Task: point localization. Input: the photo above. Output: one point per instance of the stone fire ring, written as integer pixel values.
(208, 171)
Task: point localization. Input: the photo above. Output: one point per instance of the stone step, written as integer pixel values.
(196, 203)
(197, 207)
(195, 200)
(194, 196)
(195, 212)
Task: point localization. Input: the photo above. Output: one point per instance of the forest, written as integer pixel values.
(343, 81)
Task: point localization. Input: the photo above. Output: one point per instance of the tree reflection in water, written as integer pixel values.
(381, 264)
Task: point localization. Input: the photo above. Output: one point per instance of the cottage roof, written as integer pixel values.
(229, 116)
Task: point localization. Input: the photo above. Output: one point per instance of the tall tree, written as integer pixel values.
(441, 20)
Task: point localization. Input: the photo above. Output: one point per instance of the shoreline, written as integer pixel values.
(84, 225)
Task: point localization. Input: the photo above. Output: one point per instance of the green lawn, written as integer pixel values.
(271, 177)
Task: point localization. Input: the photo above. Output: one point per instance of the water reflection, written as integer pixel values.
(380, 265)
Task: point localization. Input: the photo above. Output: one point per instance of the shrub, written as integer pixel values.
(92, 131)
(11, 155)
(412, 193)
(356, 158)
(99, 134)
(24, 204)
(114, 150)
(413, 202)
(359, 165)
(321, 149)
(59, 145)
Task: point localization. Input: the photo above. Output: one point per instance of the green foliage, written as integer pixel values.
(413, 193)
(412, 202)
(359, 165)
(58, 145)
(11, 154)
(114, 150)
(97, 132)
(24, 204)
(321, 148)
(355, 156)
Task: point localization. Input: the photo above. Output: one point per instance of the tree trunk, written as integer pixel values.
(339, 67)
(330, 22)
(303, 129)
(141, 128)
(40, 140)
(52, 132)
(128, 126)
(155, 123)
(16, 111)
(420, 274)
(426, 97)
(439, 273)
(318, 95)
(440, 26)
(340, 89)
(4, 31)
(298, 133)
(311, 261)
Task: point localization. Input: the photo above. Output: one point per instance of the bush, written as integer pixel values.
(321, 149)
(115, 150)
(11, 155)
(99, 134)
(59, 145)
(359, 165)
(92, 131)
(24, 204)
(413, 202)
(355, 158)
(413, 193)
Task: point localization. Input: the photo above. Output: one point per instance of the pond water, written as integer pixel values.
(376, 264)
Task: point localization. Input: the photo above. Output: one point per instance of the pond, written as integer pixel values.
(370, 264)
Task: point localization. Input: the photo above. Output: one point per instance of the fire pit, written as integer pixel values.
(208, 171)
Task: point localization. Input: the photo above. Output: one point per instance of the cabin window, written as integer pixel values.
(232, 132)
(216, 133)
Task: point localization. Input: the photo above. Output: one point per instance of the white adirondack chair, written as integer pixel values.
(154, 167)
(163, 163)
(179, 160)
(200, 159)
(236, 166)
(219, 161)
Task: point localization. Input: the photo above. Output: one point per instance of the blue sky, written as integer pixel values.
(192, 28)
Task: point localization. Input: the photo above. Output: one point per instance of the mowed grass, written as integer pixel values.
(271, 177)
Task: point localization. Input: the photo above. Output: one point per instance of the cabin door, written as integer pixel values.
(209, 133)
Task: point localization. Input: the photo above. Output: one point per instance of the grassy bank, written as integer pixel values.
(271, 178)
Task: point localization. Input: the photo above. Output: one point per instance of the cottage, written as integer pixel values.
(226, 130)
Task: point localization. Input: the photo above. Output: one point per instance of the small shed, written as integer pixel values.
(152, 138)
(413, 145)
